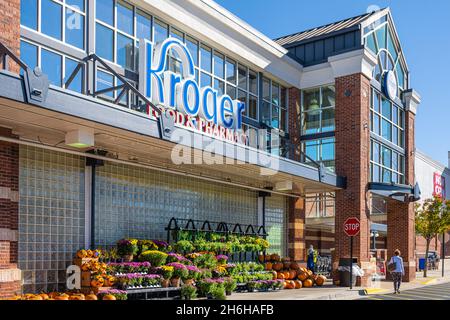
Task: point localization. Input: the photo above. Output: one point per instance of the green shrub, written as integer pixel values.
(155, 257)
(183, 246)
(188, 292)
(218, 292)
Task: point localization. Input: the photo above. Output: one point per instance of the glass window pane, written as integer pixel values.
(283, 95)
(381, 37)
(242, 96)
(387, 178)
(219, 86)
(74, 28)
(77, 4)
(275, 117)
(401, 120)
(376, 173)
(77, 82)
(395, 135)
(219, 65)
(205, 80)
(52, 66)
(104, 38)
(275, 93)
(386, 108)
(391, 46)
(395, 114)
(265, 113)
(311, 122)
(104, 10)
(312, 150)
(125, 49)
(104, 81)
(266, 89)
(311, 100)
(376, 124)
(242, 77)
(51, 22)
(328, 120)
(370, 43)
(143, 25)
(386, 155)
(328, 96)
(395, 161)
(29, 13)
(253, 81)
(205, 58)
(283, 115)
(192, 46)
(376, 152)
(161, 31)
(386, 130)
(401, 76)
(177, 34)
(125, 17)
(376, 103)
(28, 53)
(253, 107)
(401, 138)
(231, 71)
(231, 91)
(327, 149)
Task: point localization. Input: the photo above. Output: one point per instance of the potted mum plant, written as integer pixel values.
(127, 248)
(188, 292)
(155, 257)
(166, 272)
(222, 259)
(179, 272)
(230, 285)
(194, 274)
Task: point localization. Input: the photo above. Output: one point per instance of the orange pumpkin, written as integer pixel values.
(298, 284)
(281, 276)
(277, 266)
(286, 275)
(292, 274)
(275, 257)
(320, 280)
(286, 265)
(91, 296)
(109, 297)
(290, 284)
(303, 276)
(309, 272)
(294, 266)
(90, 253)
(62, 296)
(44, 296)
(261, 258)
(268, 266)
(82, 254)
(77, 296)
(308, 283)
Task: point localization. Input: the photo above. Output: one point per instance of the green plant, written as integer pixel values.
(167, 272)
(206, 260)
(155, 257)
(218, 292)
(183, 246)
(230, 284)
(127, 247)
(188, 292)
(252, 285)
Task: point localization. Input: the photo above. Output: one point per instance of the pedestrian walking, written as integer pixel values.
(397, 270)
(312, 258)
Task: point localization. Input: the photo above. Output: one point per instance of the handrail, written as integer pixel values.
(6, 52)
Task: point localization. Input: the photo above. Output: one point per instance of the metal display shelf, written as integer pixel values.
(158, 293)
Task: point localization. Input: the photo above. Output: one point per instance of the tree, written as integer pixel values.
(432, 218)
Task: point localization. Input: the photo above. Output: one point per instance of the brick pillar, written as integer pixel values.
(10, 276)
(296, 229)
(294, 123)
(10, 29)
(400, 216)
(352, 161)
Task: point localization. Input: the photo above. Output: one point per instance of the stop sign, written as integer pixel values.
(351, 226)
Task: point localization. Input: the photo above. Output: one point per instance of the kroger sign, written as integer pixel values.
(181, 92)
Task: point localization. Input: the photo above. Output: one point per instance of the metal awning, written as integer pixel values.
(399, 192)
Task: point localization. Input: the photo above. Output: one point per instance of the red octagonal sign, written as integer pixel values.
(352, 226)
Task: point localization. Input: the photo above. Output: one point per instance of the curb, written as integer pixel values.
(368, 291)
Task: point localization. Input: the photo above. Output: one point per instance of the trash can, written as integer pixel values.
(421, 264)
(344, 272)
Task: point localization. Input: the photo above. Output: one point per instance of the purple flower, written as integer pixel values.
(160, 243)
(222, 257)
(193, 269)
(177, 265)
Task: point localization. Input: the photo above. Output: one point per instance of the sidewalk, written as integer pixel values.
(331, 292)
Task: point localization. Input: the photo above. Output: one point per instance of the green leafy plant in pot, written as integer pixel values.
(155, 257)
(188, 292)
(127, 248)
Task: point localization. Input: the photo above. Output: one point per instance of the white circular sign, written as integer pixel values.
(390, 85)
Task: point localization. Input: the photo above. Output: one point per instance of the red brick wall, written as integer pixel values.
(296, 229)
(294, 123)
(321, 240)
(10, 27)
(352, 161)
(9, 212)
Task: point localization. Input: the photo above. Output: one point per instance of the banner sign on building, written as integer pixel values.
(438, 185)
(192, 106)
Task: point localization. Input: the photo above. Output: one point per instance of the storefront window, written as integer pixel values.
(51, 24)
(320, 150)
(29, 14)
(143, 25)
(52, 65)
(386, 165)
(274, 105)
(318, 110)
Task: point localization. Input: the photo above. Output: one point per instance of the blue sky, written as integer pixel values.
(424, 31)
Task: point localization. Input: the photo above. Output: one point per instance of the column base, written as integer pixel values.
(10, 282)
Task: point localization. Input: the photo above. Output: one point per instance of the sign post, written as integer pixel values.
(352, 227)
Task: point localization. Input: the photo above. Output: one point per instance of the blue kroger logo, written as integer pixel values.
(181, 91)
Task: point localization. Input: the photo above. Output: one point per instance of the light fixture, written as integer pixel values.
(284, 185)
(80, 138)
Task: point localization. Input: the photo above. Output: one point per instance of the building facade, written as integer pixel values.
(307, 130)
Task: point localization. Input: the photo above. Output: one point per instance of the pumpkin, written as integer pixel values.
(290, 284)
(109, 281)
(309, 272)
(320, 280)
(277, 266)
(313, 277)
(294, 266)
(85, 266)
(298, 284)
(62, 296)
(275, 257)
(82, 254)
(91, 296)
(287, 275)
(109, 297)
(97, 282)
(274, 275)
(44, 296)
(77, 296)
(292, 274)
(308, 283)
(303, 276)
(286, 259)
(268, 266)
(286, 265)
(281, 276)
(89, 253)
(261, 258)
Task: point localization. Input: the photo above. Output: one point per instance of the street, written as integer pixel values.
(433, 292)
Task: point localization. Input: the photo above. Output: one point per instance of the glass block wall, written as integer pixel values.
(51, 216)
(276, 224)
(137, 202)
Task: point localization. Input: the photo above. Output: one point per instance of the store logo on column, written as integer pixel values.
(438, 185)
(193, 107)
